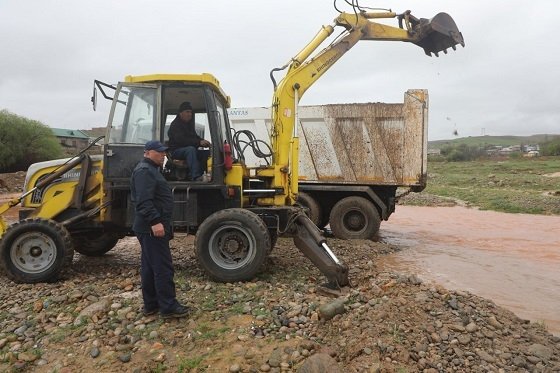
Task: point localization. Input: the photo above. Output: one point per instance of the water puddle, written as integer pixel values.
(513, 259)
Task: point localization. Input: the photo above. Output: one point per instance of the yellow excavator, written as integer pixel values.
(83, 203)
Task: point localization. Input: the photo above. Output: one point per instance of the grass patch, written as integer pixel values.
(186, 364)
(59, 335)
(514, 185)
(205, 331)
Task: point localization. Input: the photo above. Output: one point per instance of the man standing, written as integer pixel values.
(153, 206)
(184, 141)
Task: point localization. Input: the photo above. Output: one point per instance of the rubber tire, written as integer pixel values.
(94, 244)
(315, 212)
(56, 233)
(240, 226)
(354, 218)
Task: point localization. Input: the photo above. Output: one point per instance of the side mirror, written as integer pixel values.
(94, 97)
(100, 85)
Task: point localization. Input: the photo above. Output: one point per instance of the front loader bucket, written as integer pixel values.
(437, 34)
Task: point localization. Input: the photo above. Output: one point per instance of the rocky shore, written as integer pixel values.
(90, 321)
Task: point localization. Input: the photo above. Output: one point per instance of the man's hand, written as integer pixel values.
(158, 230)
(205, 143)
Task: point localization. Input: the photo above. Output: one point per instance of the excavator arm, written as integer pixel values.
(434, 35)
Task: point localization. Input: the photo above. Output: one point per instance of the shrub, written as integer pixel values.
(551, 147)
(461, 153)
(25, 141)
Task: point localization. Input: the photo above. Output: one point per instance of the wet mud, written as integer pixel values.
(513, 259)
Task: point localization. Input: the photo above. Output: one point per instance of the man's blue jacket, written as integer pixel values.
(152, 198)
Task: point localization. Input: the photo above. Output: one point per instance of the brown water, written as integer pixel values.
(513, 259)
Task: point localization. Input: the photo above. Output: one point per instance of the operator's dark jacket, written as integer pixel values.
(152, 198)
(182, 134)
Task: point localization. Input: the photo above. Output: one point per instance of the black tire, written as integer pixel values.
(36, 250)
(95, 243)
(314, 212)
(231, 245)
(354, 217)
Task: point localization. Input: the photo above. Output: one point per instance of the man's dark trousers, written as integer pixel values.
(158, 288)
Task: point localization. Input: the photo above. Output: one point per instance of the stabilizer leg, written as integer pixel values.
(312, 244)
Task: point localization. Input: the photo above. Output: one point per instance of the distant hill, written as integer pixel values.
(484, 141)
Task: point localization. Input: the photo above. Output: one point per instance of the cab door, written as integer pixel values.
(133, 121)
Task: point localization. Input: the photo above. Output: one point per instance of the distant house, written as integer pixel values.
(71, 138)
(434, 151)
(96, 132)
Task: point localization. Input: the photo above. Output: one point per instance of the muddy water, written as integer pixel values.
(513, 259)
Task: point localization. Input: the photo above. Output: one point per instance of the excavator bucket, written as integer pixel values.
(437, 34)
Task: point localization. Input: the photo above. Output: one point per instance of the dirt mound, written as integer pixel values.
(12, 182)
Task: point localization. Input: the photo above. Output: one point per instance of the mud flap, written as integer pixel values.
(312, 244)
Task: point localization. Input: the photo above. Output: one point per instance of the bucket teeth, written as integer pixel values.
(437, 34)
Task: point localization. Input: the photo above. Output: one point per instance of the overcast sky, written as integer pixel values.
(505, 81)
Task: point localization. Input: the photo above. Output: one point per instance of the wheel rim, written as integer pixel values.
(33, 252)
(354, 220)
(232, 247)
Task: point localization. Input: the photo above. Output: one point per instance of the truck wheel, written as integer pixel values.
(314, 212)
(231, 245)
(354, 217)
(36, 250)
(94, 244)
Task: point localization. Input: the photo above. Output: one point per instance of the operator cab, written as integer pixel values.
(143, 109)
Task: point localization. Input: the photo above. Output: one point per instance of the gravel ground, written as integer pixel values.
(12, 182)
(91, 321)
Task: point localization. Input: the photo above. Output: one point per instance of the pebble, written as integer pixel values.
(471, 327)
(125, 358)
(94, 352)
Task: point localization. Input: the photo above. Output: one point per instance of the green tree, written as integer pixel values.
(25, 141)
(462, 152)
(551, 147)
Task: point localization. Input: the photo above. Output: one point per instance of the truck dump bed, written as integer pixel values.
(363, 143)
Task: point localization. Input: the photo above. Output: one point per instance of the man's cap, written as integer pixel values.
(185, 106)
(155, 145)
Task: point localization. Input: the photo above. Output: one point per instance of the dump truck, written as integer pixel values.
(83, 203)
(353, 158)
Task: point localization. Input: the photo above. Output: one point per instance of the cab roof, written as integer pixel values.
(204, 78)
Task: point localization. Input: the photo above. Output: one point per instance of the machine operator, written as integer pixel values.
(184, 141)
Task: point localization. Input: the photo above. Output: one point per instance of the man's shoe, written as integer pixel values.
(146, 312)
(178, 311)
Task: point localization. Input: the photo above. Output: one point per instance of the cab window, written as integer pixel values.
(134, 115)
